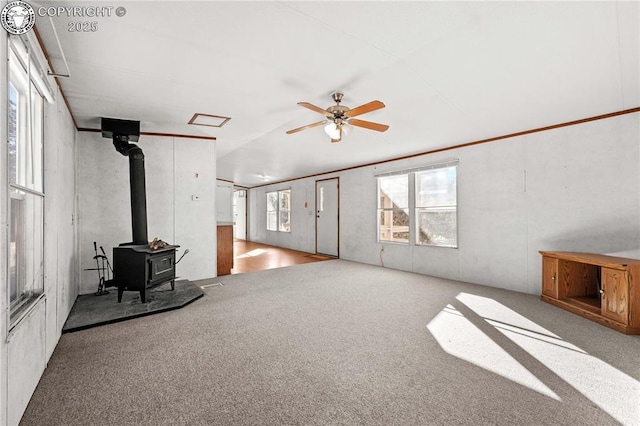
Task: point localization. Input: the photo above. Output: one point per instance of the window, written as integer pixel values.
(430, 193)
(393, 208)
(436, 207)
(284, 218)
(272, 211)
(279, 211)
(25, 177)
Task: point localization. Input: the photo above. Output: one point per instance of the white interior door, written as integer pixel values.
(240, 214)
(327, 216)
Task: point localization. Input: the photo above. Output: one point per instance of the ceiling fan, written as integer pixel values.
(339, 117)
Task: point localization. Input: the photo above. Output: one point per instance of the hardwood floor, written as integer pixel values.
(249, 256)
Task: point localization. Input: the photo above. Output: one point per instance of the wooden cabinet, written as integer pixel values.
(614, 294)
(550, 277)
(605, 289)
(225, 249)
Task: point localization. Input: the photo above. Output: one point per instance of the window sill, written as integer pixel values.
(22, 311)
(395, 243)
(438, 246)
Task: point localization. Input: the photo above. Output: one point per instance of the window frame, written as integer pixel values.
(280, 225)
(25, 182)
(272, 210)
(451, 207)
(412, 210)
(384, 211)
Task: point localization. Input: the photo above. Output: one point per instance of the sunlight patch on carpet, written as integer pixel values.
(461, 338)
(612, 390)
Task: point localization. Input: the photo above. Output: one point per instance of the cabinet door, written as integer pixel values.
(615, 295)
(225, 250)
(550, 277)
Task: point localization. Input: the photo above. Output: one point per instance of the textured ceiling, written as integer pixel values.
(448, 72)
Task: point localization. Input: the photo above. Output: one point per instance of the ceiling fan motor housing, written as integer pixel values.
(338, 111)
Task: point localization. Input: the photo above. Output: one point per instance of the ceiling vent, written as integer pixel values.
(208, 120)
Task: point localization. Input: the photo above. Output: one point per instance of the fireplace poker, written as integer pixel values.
(109, 281)
(95, 250)
(105, 256)
(100, 269)
(183, 254)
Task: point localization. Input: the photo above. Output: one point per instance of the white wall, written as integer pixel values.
(573, 188)
(25, 351)
(302, 235)
(176, 169)
(60, 216)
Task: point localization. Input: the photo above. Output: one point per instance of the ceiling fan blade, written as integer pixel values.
(368, 125)
(315, 108)
(339, 137)
(308, 126)
(363, 109)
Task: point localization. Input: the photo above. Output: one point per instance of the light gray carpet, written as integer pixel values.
(342, 343)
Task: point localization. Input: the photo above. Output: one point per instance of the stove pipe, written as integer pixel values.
(122, 131)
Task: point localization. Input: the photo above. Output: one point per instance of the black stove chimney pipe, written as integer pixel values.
(137, 186)
(122, 131)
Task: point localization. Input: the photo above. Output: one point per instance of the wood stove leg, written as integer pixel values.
(173, 284)
(120, 291)
(143, 295)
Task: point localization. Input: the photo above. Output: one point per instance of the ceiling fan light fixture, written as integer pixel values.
(332, 130)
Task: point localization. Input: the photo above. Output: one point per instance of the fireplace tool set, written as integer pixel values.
(104, 271)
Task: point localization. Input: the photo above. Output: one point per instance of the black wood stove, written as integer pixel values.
(139, 268)
(136, 266)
